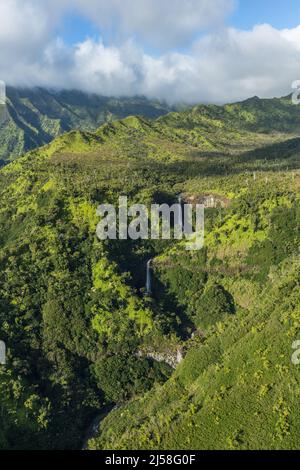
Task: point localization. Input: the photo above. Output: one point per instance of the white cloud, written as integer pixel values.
(224, 65)
(161, 23)
(23, 25)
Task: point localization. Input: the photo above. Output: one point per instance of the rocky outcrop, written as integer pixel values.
(208, 200)
(172, 358)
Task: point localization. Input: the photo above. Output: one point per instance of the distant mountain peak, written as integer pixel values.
(38, 115)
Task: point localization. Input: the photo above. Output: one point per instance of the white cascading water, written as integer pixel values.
(180, 202)
(149, 278)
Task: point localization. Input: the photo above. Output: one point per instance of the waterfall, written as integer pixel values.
(180, 202)
(2, 353)
(149, 278)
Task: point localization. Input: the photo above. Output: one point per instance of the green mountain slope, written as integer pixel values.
(38, 115)
(254, 114)
(236, 387)
(82, 336)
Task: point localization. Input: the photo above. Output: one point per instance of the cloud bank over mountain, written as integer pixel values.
(180, 51)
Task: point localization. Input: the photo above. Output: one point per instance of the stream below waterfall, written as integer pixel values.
(93, 429)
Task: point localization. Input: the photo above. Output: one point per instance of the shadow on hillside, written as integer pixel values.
(131, 257)
(175, 314)
(283, 150)
(275, 157)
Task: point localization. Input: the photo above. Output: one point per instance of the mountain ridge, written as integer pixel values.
(36, 116)
(78, 326)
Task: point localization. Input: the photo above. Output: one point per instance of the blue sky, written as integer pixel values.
(279, 13)
(76, 27)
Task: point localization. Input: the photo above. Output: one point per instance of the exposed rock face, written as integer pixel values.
(208, 200)
(172, 358)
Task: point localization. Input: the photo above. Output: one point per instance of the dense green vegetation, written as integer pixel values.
(36, 116)
(79, 330)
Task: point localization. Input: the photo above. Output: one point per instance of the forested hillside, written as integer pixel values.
(81, 334)
(36, 116)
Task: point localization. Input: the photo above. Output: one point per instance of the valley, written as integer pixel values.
(81, 334)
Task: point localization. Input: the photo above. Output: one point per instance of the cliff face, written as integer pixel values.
(210, 201)
(172, 358)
